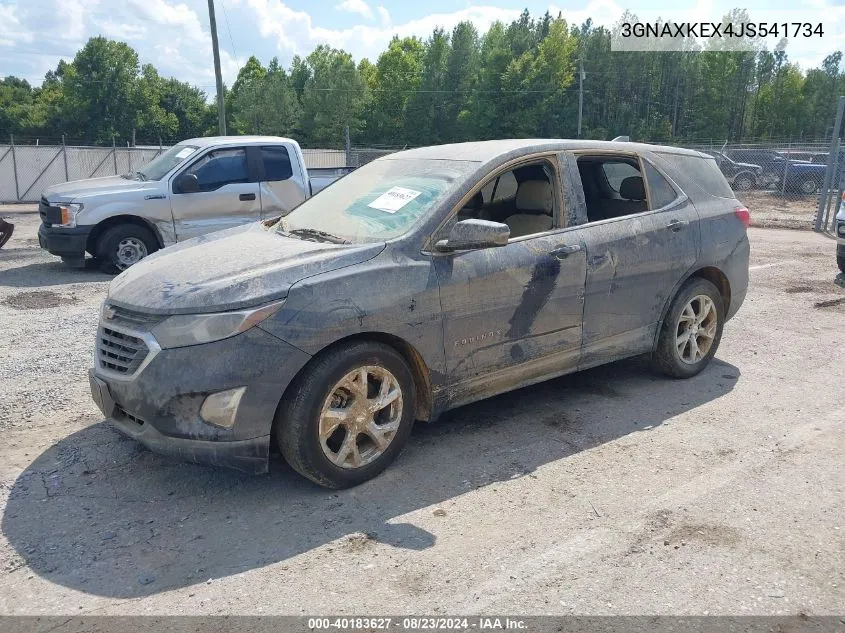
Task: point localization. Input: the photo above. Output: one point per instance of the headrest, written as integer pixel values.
(632, 188)
(535, 195)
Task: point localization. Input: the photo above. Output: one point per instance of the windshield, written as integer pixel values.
(161, 165)
(379, 201)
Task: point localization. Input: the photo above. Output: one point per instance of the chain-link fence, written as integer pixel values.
(782, 175)
(27, 170)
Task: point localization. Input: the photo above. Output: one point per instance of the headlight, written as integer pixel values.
(840, 229)
(69, 212)
(182, 330)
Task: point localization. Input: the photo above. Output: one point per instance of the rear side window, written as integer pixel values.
(276, 163)
(704, 171)
(615, 173)
(661, 192)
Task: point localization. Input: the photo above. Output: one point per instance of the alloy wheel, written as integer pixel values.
(360, 417)
(696, 329)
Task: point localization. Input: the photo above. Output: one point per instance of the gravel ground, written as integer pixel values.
(771, 209)
(613, 491)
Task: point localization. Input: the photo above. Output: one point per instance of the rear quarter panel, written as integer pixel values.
(724, 239)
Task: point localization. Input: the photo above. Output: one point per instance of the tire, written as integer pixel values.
(123, 245)
(298, 420)
(808, 186)
(744, 182)
(667, 358)
(840, 261)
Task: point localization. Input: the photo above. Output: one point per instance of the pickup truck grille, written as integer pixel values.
(120, 352)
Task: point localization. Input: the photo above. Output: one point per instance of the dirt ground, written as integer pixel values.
(770, 209)
(614, 491)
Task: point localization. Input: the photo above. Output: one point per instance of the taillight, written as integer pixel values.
(743, 215)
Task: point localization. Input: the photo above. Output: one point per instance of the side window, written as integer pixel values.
(500, 189)
(220, 167)
(613, 186)
(616, 172)
(523, 198)
(662, 193)
(276, 163)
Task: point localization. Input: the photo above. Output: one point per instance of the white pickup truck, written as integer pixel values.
(195, 187)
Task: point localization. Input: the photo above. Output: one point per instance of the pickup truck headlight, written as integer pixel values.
(840, 229)
(182, 330)
(69, 212)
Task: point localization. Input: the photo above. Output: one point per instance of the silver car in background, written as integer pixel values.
(195, 187)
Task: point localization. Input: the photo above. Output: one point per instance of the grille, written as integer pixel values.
(123, 413)
(132, 318)
(119, 352)
(44, 211)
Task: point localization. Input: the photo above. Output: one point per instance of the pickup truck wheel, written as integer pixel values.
(348, 415)
(840, 261)
(744, 182)
(691, 331)
(123, 245)
(808, 186)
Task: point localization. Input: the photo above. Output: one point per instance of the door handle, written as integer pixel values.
(563, 252)
(676, 225)
(246, 196)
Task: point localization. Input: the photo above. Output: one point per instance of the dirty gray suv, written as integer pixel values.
(423, 281)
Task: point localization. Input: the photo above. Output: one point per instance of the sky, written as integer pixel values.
(174, 34)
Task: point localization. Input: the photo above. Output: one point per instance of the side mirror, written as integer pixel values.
(469, 234)
(187, 183)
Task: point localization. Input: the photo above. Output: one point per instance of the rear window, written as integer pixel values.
(704, 171)
(276, 163)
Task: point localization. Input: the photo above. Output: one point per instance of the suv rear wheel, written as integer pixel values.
(691, 331)
(347, 416)
(121, 246)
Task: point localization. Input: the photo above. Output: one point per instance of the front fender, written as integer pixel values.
(154, 211)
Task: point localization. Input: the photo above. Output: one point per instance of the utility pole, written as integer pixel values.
(580, 94)
(221, 105)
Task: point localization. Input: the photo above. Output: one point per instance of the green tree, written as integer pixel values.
(460, 82)
(266, 103)
(332, 98)
(101, 89)
(398, 73)
(425, 118)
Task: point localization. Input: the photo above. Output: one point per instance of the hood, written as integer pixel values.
(750, 166)
(85, 189)
(228, 270)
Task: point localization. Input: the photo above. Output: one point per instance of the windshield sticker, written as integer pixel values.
(394, 199)
(185, 152)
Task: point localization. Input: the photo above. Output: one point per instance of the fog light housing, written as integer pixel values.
(840, 227)
(221, 408)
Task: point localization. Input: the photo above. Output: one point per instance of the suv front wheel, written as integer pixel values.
(348, 415)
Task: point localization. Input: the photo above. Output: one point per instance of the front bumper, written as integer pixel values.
(159, 405)
(67, 243)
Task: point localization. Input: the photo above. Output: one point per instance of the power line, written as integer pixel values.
(231, 41)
